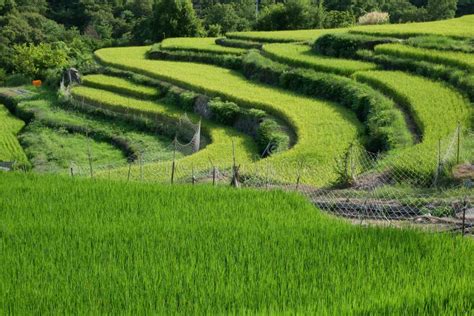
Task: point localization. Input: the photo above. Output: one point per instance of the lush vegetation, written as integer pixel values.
(317, 144)
(302, 56)
(143, 248)
(220, 148)
(10, 149)
(459, 27)
(207, 45)
(456, 59)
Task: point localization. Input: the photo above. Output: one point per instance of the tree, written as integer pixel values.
(336, 19)
(175, 18)
(293, 15)
(35, 60)
(441, 9)
(226, 17)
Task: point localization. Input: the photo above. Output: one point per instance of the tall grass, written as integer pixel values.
(94, 247)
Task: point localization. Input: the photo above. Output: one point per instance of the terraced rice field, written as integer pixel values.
(222, 138)
(324, 130)
(457, 59)
(114, 248)
(462, 27)
(10, 126)
(199, 45)
(303, 56)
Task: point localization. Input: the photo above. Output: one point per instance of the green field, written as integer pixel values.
(462, 27)
(10, 126)
(323, 129)
(200, 45)
(115, 248)
(303, 56)
(457, 59)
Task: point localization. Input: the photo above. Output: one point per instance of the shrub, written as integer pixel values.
(374, 18)
(271, 138)
(292, 15)
(17, 80)
(338, 19)
(346, 44)
(183, 98)
(214, 30)
(224, 112)
(223, 60)
(238, 43)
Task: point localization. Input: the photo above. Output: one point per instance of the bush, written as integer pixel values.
(337, 19)
(292, 15)
(223, 60)
(385, 124)
(17, 80)
(224, 112)
(238, 43)
(347, 44)
(374, 18)
(183, 98)
(214, 30)
(271, 138)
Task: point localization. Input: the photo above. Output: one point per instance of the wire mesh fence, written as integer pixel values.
(430, 184)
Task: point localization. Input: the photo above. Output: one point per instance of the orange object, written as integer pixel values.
(37, 83)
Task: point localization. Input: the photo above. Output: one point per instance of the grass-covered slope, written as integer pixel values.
(324, 130)
(462, 27)
(10, 126)
(303, 56)
(200, 45)
(126, 248)
(221, 137)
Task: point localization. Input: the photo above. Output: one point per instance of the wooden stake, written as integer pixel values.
(173, 165)
(129, 170)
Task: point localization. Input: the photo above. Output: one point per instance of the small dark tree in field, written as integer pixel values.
(175, 18)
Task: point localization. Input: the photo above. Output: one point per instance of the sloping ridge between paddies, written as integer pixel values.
(324, 130)
(222, 138)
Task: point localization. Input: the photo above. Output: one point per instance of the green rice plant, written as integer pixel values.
(462, 27)
(221, 138)
(283, 36)
(10, 126)
(101, 247)
(115, 83)
(231, 61)
(442, 43)
(303, 56)
(435, 108)
(456, 59)
(200, 45)
(323, 130)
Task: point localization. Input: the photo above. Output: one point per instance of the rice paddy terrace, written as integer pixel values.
(386, 107)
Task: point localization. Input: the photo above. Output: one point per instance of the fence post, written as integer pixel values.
(129, 170)
(458, 149)
(464, 217)
(72, 172)
(141, 165)
(193, 178)
(89, 156)
(173, 164)
(213, 175)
